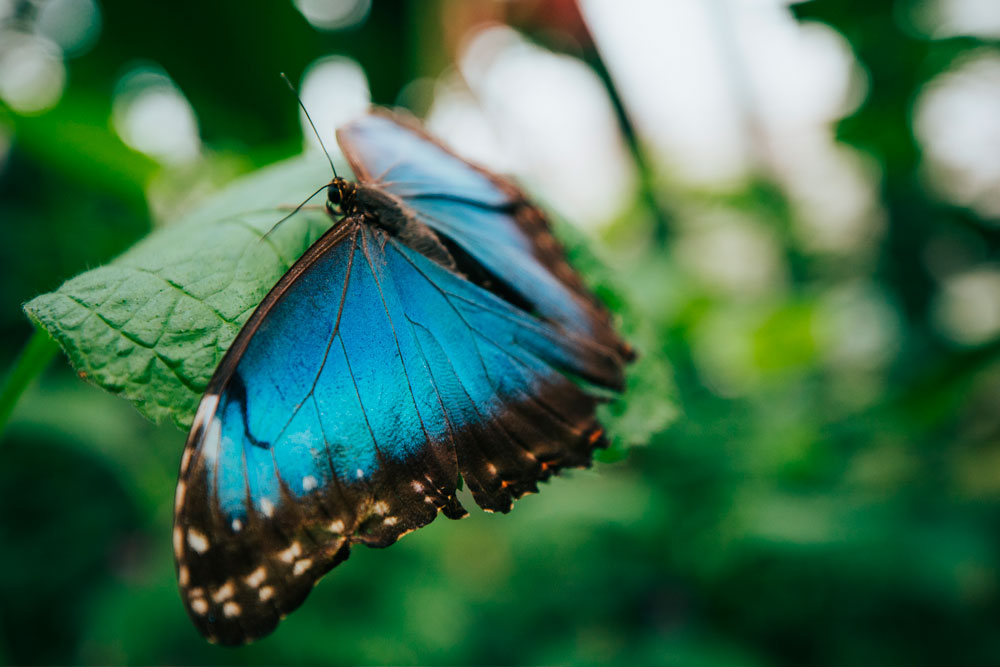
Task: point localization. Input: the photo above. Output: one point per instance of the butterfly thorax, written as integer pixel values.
(380, 209)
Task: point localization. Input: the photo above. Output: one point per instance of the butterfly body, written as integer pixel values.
(434, 332)
(381, 209)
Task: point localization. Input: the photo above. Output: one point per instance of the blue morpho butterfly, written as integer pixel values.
(434, 333)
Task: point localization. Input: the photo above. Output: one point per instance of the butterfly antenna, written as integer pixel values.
(311, 123)
(297, 209)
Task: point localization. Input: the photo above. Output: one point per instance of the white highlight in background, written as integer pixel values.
(968, 308)
(957, 120)
(716, 85)
(334, 14)
(72, 24)
(459, 120)
(32, 75)
(546, 117)
(730, 252)
(152, 116)
(942, 19)
(335, 91)
(858, 328)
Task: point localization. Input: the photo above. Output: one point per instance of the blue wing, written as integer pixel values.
(487, 217)
(367, 381)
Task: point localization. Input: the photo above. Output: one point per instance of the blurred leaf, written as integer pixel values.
(153, 324)
(31, 362)
(647, 405)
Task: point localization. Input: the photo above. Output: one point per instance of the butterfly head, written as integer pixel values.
(340, 195)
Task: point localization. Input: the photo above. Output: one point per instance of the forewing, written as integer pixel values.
(364, 384)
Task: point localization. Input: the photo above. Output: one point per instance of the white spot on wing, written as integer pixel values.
(179, 495)
(197, 541)
(205, 410)
(336, 526)
(178, 541)
(212, 442)
(199, 606)
(237, 525)
(185, 459)
(291, 553)
(301, 566)
(309, 483)
(360, 473)
(417, 486)
(391, 520)
(224, 593)
(380, 508)
(267, 507)
(256, 578)
(231, 609)
(266, 593)
(183, 575)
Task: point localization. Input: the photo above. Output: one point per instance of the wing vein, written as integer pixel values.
(329, 342)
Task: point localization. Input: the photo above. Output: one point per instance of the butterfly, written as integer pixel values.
(435, 334)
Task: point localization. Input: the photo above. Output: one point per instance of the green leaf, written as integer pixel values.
(153, 324)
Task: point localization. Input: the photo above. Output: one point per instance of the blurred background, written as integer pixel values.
(794, 207)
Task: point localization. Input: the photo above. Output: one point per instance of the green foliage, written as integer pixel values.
(800, 500)
(153, 324)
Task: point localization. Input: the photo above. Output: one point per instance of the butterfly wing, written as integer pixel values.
(364, 384)
(485, 216)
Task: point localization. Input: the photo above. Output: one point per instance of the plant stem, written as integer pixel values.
(33, 359)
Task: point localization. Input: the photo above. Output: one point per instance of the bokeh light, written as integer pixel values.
(34, 40)
(718, 88)
(152, 115)
(32, 74)
(950, 18)
(456, 115)
(72, 24)
(968, 306)
(834, 193)
(334, 14)
(729, 251)
(957, 119)
(860, 327)
(334, 90)
(551, 118)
